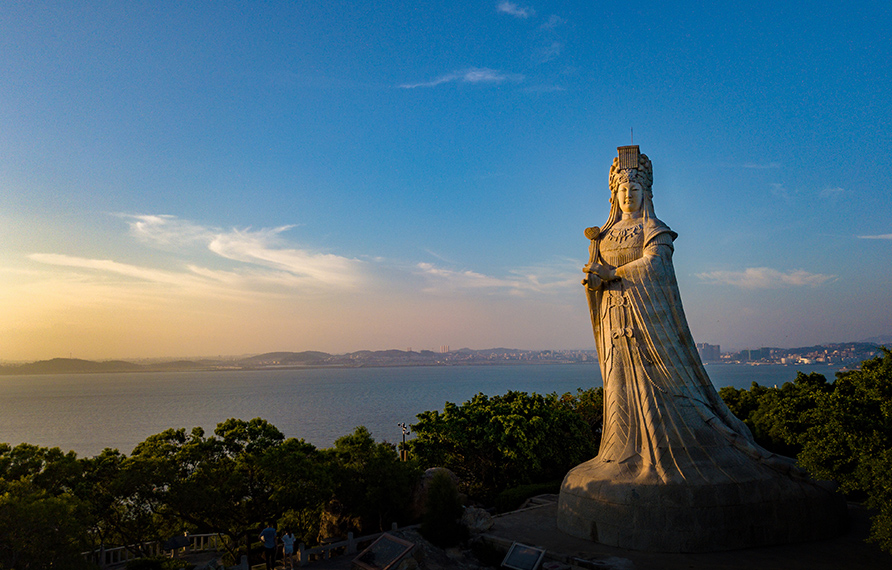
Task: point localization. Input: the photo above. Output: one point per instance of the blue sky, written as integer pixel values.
(202, 178)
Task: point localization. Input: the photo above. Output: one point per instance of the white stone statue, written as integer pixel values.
(676, 471)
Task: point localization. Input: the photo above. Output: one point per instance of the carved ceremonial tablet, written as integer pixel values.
(676, 471)
(628, 156)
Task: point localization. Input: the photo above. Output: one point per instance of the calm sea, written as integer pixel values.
(88, 412)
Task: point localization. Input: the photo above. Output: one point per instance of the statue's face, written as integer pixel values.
(630, 196)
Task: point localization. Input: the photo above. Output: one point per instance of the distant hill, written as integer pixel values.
(72, 365)
(284, 358)
(382, 358)
(883, 339)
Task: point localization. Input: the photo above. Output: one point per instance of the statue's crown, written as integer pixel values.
(631, 165)
(628, 157)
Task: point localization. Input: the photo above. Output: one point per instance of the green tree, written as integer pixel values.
(228, 483)
(443, 509)
(42, 523)
(840, 431)
(503, 441)
(849, 439)
(589, 404)
(370, 481)
(123, 501)
(778, 416)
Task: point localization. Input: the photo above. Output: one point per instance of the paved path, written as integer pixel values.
(537, 526)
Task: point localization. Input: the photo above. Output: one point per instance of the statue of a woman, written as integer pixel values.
(676, 471)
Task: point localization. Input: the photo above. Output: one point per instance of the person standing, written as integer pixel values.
(288, 547)
(268, 538)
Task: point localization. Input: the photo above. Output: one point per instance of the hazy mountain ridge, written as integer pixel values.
(281, 359)
(306, 359)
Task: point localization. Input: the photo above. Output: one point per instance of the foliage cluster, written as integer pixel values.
(440, 524)
(513, 498)
(41, 512)
(246, 472)
(495, 443)
(53, 506)
(839, 431)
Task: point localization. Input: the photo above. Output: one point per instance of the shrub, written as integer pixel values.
(511, 499)
(440, 524)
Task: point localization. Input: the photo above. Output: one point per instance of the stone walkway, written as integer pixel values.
(536, 526)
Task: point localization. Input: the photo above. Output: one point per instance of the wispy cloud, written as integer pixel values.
(243, 262)
(258, 260)
(515, 10)
(166, 230)
(834, 192)
(881, 236)
(550, 52)
(113, 267)
(433, 253)
(522, 281)
(778, 190)
(264, 248)
(761, 166)
(470, 75)
(553, 22)
(765, 278)
(544, 89)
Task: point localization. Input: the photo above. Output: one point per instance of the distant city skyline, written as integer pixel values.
(191, 179)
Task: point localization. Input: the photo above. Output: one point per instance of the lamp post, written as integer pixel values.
(404, 453)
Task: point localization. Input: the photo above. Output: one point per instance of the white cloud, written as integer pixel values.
(166, 230)
(550, 53)
(109, 266)
(522, 281)
(258, 260)
(832, 192)
(553, 22)
(262, 248)
(765, 278)
(881, 236)
(513, 9)
(778, 190)
(470, 75)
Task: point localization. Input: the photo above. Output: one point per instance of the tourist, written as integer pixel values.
(288, 547)
(268, 537)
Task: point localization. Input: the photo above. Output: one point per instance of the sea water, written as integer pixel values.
(88, 412)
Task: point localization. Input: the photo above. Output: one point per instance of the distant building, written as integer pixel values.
(709, 352)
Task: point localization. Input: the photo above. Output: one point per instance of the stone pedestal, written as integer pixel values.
(655, 516)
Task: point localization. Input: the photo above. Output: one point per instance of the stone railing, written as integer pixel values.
(304, 556)
(110, 558)
(120, 555)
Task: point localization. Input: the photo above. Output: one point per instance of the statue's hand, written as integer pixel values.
(592, 281)
(605, 272)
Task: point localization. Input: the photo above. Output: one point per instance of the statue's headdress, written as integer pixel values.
(631, 166)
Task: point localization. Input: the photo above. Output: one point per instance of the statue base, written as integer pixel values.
(647, 514)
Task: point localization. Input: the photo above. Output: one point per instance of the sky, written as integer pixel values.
(223, 178)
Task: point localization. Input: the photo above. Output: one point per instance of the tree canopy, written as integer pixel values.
(493, 443)
(839, 431)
